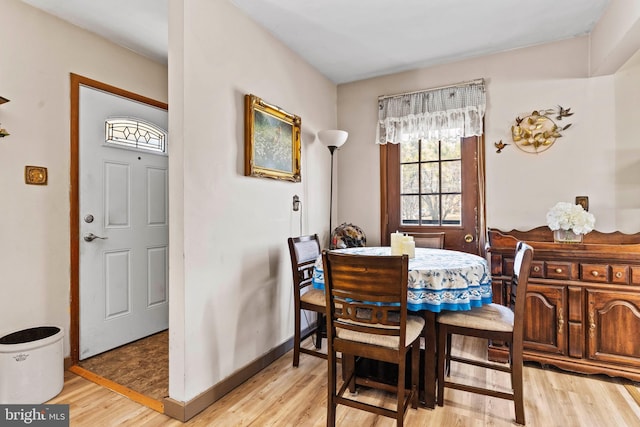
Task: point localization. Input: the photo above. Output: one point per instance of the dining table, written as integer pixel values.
(439, 280)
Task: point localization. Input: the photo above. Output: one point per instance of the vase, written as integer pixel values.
(566, 236)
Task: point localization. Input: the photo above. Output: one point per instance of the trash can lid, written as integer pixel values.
(28, 335)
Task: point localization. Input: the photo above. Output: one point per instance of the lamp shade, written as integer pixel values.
(333, 137)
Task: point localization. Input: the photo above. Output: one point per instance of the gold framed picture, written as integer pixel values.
(271, 141)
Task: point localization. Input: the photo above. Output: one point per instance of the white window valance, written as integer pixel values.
(441, 113)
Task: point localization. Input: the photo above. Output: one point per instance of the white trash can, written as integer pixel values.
(31, 365)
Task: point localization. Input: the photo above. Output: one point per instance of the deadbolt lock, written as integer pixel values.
(468, 238)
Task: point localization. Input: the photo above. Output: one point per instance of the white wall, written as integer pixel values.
(231, 278)
(627, 153)
(615, 38)
(37, 54)
(521, 187)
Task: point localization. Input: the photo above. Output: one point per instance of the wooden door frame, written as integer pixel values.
(74, 196)
(481, 199)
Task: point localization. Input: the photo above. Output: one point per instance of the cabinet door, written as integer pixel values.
(613, 333)
(545, 328)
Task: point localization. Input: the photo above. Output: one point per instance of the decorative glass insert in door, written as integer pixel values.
(135, 134)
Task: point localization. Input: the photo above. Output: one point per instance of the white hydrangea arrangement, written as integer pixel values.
(567, 216)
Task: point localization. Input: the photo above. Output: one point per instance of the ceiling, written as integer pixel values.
(349, 40)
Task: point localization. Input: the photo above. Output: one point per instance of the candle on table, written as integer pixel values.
(409, 246)
(396, 243)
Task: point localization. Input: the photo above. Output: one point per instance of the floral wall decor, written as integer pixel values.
(538, 131)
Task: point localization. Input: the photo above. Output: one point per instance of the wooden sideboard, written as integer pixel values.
(583, 300)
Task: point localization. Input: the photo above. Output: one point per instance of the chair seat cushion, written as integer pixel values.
(314, 296)
(415, 325)
(490, 317)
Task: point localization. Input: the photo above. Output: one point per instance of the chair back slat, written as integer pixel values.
(429, 240)
(305, 275)
(357, 311)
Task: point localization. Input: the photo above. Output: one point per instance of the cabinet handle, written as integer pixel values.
(592, 321)
(536, 268)
(618, 274)
(594, 273)
(560, 321)
(558, 270)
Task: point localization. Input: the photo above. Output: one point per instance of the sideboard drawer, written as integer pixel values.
(558, 270)
(594, 272)
(620, 274)
(537, 269)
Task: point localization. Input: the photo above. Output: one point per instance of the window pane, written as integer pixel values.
(409, 152)
(451, 177)
(409, 210)
(450, 149)
(429, 151)
(409, 178)
(430, 210)
(430, 178)
(427, 182)
(451, 209)
(135, 134)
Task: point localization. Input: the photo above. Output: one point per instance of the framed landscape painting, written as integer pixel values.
(272, 141)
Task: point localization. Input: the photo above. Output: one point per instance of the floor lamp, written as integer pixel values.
(333, 139)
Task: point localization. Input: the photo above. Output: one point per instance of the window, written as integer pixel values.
(135, 134)
(432, 163)
(431, 183)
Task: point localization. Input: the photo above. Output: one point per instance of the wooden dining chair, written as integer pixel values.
(493, 322)
(367, 317)
(429, 240)
(304, 251)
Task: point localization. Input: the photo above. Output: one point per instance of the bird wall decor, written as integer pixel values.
(499, 146)
(538, 131)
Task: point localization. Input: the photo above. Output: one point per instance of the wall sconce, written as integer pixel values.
(333, 139)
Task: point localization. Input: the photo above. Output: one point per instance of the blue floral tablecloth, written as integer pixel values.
(438, 279)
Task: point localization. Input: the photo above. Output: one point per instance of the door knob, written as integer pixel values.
(468, 238)
(90, 237)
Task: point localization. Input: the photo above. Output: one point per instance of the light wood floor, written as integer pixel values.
(284, 396)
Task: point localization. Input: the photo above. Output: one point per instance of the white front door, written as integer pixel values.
(124, 226)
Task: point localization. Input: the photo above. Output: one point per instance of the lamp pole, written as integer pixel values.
(332, 139)
(332, 148)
